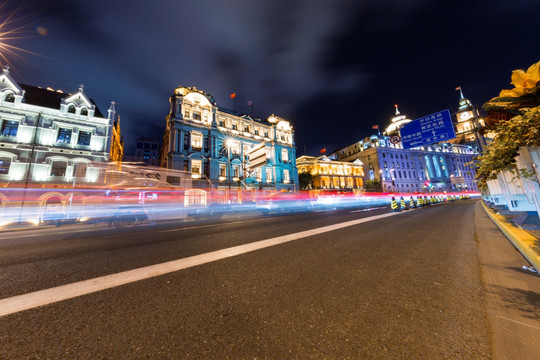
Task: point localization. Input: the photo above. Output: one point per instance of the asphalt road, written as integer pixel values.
(401, 287)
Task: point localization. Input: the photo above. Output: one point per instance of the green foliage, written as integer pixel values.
(305, 179)
(373, 185)
(522, 130)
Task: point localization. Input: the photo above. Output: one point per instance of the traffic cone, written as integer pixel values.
(412, 205)
(394, 205)
(420, 201)
(426, 201)
(403, 205)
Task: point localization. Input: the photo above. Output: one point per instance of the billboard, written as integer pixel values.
(428, 130)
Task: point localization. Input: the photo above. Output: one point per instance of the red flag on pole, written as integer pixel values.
(323, 151)
(375, 127)
(233, 95)
(458, 88)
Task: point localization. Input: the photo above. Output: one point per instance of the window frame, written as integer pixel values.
(80, 137)
(6, 125)
(62, 134)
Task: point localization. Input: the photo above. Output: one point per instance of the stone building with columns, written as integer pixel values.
(432, 168)
(213, 144)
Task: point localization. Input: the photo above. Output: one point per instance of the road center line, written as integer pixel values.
(48, 296)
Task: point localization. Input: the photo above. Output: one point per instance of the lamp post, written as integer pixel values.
(229, 143)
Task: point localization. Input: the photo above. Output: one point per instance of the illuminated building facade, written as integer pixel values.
(116, 153)
(432, 168)
(49, 136)
(470, 126)
(332, 174)
(214, 144)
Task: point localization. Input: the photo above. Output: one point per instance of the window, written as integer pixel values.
(234, 126)
(58, 168)
(10, 97)
(256, 131)
(196, 167)
(71, 109)
(64, 136)
(268, 174)
(84, 111)
(285, 155)
(266, 134)
(221, 123)
(235, 171)
(222, 170)
(79, 170)
(84, 138)
(196, 140)
(196, 115)
(286, 178)
(5, 163)
(246, 128)
(258, 174)
(9, 128)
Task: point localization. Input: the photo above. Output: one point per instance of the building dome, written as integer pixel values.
(397, 122)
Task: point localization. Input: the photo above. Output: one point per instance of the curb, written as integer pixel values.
(522, 240)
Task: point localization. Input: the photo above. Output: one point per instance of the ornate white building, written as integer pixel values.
(214, 143)
(436, 167)
(49, 136)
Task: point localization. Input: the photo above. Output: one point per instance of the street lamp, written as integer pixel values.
(229, 144)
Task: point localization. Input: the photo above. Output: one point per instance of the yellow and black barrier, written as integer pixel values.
(403, 205)
(412, 205)
(394, 205)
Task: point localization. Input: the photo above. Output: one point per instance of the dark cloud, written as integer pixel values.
(333, 68)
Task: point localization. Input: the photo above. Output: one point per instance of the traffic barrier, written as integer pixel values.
(412, 205)
(420, 201)
(394, 205)
(426, 201)
(403, 205)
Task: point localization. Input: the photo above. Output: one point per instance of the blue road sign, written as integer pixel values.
(428, 130)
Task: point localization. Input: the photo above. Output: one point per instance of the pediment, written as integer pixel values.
(79, 99)
(7, 83)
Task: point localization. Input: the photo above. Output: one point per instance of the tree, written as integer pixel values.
(305, 179)
(522, 107)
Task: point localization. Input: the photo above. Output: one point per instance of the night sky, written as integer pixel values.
(333, 68)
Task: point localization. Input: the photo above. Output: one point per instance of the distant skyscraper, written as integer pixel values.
(147, 151)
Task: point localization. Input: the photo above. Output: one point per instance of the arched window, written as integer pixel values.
(71, 109)
(84, 112)
(10, 98)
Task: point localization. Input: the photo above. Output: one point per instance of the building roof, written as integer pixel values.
(49, 98)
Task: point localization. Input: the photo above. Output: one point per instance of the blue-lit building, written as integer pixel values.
(432, 168)
(213, 144)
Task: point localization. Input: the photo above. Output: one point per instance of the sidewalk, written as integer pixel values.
(512, 293)
(522, 229)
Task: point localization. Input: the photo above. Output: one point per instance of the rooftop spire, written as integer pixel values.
(397, 110)
(461, 97)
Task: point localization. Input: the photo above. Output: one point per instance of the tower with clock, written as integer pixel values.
(468, 123)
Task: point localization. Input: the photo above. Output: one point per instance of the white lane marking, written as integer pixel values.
(48, 296)
(518, 322)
